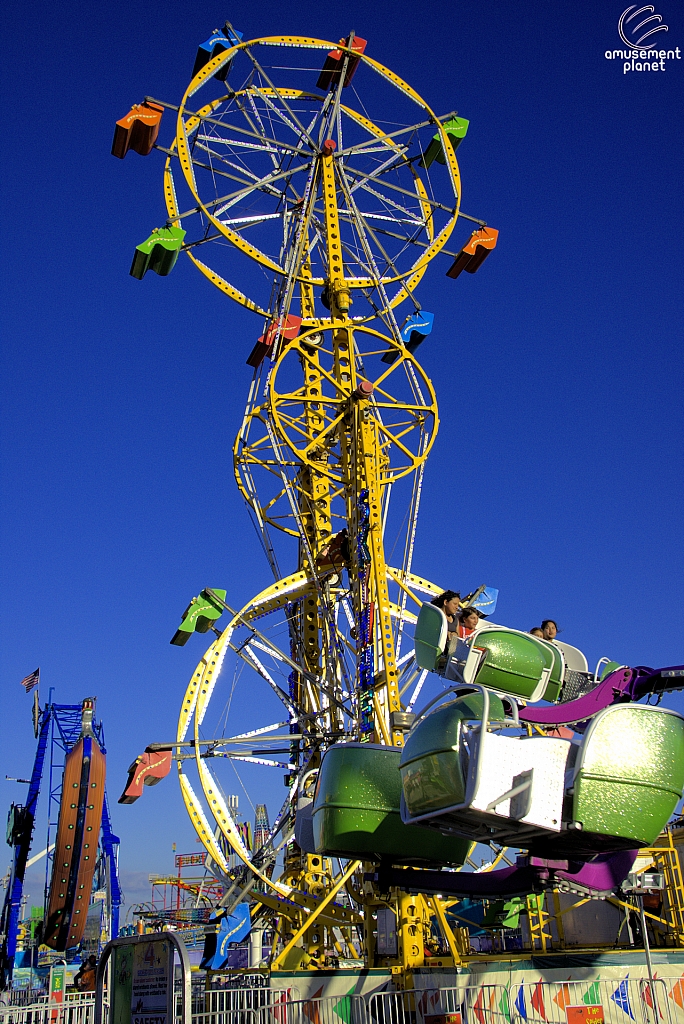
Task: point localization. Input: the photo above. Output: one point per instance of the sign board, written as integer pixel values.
(584, 1014)
(121, 977)
(57, 986)
(186, 860)
(141, 971)
(443, 1018)
(152, 983)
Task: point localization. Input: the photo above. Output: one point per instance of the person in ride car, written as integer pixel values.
(549, 629)
(450, 603)
(468, 622)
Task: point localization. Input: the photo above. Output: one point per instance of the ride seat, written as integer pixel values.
(629, 774)
(356, 810)
(458, 776)
(456, 130)
(533, 765)
(430, 636)
(616, 790)
(138, 130)
(574, 659)
(506, 660)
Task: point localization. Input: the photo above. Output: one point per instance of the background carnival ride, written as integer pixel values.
(80, 846)
(342, 201)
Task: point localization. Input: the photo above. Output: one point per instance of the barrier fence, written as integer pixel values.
(80, 1011)
(349, 1009)
(628, 1000)
(615, 1001)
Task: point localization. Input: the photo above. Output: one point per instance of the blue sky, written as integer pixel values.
(557, 476)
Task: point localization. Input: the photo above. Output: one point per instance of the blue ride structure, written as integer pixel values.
(70, 761)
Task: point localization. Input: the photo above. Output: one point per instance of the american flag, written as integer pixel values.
(30, 681)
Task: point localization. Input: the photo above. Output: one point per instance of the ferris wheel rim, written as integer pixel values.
(403, 357)
(200, 691)
(408, 279)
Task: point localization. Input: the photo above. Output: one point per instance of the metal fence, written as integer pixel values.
(481, 1004)
(254, 1005)
(599, 1002)
(72, 1011)
(349, 1009)
(620, 1001)
(625, 1000)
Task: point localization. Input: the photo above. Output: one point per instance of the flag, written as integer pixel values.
(592, 997)
(520, 1002)
(621, 998)
(344, 1008)
(563, 997)
(677, 993)
(30, 681)
(647, 995)
(538, 999)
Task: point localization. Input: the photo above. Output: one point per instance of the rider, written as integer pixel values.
(468, 622)
(549, 629)
(450, 603)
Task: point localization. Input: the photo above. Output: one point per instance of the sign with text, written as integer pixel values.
(152, 983)
(120, 980)
(584, 1014)
(57, 986)
(186, 860)
(443, 1018)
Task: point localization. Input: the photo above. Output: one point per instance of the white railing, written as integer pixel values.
(485, 1004)
(628, 1000)
(71, 1011)
(607, 1001)
(349, 1009)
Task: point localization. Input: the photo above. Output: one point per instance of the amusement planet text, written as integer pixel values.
(643, 60)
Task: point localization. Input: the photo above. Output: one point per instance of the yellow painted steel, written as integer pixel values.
(413, 275)
(344, 876)
(221, 814)
(342, 377)
(271, 599)
(200, 822)
(340, 440)
(437, 906)
(301, 901)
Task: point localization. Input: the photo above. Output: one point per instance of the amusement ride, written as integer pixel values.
(315, 187)
(81, 849)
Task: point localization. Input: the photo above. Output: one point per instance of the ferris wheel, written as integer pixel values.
(313, 186)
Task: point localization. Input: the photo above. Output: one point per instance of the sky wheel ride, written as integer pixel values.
(314, 187)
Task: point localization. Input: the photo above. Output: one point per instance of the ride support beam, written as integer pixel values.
(386, 686)
(362, 467)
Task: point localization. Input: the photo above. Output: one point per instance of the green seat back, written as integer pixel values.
(431, 768)
(630, 772)
(555, 683)
(430, 636)
(356, 810)
(514, 662)
(609, 667)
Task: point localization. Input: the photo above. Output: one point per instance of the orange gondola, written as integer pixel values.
(475, 252)
(138, 130)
